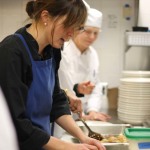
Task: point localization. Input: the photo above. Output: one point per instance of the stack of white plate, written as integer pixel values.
(136, 74)
(134, 98)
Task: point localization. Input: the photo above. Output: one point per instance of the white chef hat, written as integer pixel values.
(94, 18)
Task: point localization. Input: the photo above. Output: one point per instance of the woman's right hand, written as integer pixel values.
(93, 142)
(84, 147)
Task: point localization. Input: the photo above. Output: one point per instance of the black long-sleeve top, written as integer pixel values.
(15, 79)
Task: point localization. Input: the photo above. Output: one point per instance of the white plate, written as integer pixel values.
(134, 88)
(134, 108)
(138, 113)
(131, 121)
(134, 97)
(136, 72)
(122, 104)
(132, 116)
(144, 74)
(135, 80)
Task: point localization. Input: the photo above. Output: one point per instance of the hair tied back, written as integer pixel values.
(30, 8)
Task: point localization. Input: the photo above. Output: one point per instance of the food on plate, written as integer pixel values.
(114, 139)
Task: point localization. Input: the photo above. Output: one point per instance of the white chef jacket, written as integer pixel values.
(77, 67)
(8, 138)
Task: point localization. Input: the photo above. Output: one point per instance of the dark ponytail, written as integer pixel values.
(30, 9)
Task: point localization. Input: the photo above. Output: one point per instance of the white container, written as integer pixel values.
(138, 138)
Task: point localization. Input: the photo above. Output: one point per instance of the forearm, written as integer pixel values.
(71, 127)
(56, 144)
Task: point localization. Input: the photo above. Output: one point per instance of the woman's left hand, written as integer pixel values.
(94, 142)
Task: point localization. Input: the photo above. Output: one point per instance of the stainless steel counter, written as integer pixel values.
(114, 117)
(105, 128)
(113, 127)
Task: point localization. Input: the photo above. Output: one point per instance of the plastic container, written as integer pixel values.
(138, 138)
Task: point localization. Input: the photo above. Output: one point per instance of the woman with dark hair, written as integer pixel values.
(29, 61)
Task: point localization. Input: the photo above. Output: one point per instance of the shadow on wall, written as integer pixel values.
(113, 98)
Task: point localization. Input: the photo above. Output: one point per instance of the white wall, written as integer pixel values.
(144, 13)
(111, 43)
(12, 16)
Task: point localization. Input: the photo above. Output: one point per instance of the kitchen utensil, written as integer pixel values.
(91, 133)
(105, 128)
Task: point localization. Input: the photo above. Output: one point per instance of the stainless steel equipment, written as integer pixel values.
(104, 129)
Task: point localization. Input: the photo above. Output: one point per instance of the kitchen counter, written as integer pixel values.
(113, 127)
(114, 117)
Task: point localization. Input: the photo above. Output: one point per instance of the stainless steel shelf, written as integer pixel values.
(138, 38)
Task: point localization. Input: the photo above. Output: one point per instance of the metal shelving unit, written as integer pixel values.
(136, 39)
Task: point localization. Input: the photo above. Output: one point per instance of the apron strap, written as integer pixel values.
(25, 44)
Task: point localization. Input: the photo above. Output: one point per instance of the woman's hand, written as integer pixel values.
(94, 142)
(85, 87)
(57, 144)
(96, 116)
(83, 147)
(74, 103)
(87, 143)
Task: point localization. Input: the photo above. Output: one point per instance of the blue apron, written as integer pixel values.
(39, 99)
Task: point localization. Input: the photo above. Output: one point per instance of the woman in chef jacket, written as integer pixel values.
(29, 60)
(80, 63)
